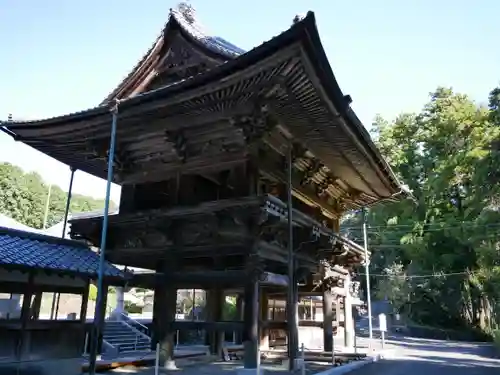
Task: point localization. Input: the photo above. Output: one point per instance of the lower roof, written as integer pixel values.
(29, 251)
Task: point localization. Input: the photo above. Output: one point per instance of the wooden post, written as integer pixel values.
(264, 313)
(251, 324)
(85, 302)
(215, 305)
(327, 320)
(23, 336)
(348, 318)
(165, 305)
(239, 315)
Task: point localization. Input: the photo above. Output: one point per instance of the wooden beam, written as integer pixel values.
(202, 164)
(187, 325)
(298, 191)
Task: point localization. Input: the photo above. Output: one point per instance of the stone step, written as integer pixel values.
(126, 339)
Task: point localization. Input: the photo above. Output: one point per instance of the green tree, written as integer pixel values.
(23, 197)
(448, 155)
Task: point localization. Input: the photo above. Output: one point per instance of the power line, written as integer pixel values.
(439, 225)
(434, 275)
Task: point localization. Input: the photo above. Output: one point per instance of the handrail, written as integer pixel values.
(136, 331)
(134, 321)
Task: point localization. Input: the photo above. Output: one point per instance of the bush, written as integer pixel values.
(92, 292)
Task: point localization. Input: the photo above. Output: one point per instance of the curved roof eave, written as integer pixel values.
(327, 77)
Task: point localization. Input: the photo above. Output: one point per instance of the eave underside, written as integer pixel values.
(205, 119)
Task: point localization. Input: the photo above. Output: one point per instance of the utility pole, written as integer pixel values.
(367, 275)
(47, 204)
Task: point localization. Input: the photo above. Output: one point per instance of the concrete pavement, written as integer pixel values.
(412, 356)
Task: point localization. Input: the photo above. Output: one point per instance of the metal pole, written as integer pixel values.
(47, 204)
(157, 359)
(104, 232)
(291, 311)
(66, 213)
(303, 360)
(68, 201)
(367, 275)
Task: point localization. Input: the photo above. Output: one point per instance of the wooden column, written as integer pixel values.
(251, 324)
(102, 314)
(293, 327)
(348, 318)
(239, 316)
(327, 319)
(23, 336)
(85, 302)
(215, 306)
(264, 314)
(164, 308)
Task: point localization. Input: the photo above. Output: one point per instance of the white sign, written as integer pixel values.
(382, 322)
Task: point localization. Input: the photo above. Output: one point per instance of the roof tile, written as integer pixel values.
(24, 249)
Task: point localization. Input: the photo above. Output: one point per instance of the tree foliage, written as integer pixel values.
(23, 197)
(445, 247)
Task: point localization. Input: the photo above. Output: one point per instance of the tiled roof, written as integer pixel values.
(196, 30)
(27, 250)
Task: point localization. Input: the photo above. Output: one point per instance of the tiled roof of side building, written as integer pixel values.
(24, 250)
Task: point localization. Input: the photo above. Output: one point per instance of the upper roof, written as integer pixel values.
(313, 107)
(181, 19)
(25, 250)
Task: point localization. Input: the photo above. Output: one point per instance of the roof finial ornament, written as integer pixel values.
(187, 11)
(298, 17)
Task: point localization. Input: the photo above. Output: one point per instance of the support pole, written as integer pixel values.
(291, 297)
(68, 202)
(104, 232)
(367, 275)
(47, 206)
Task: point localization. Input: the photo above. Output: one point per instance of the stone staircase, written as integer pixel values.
(124, 338)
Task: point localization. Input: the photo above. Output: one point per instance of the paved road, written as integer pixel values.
(411, 356)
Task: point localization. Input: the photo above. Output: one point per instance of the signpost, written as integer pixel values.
(382, 324)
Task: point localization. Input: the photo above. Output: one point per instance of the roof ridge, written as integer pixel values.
(184, 16)
(41, 237)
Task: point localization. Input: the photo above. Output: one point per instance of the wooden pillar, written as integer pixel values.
(37, 304)
(102, 314)
(327, 319)
(23, 336)
(165, 305)
(239, 316)
(338, 311)
(251, 324)
(215, 305)
(293, 327)
(348, 318)
(264, 314)
(85, 302)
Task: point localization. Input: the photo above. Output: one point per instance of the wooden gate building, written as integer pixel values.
(203, 133)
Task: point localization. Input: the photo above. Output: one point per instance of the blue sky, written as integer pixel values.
(60, 56)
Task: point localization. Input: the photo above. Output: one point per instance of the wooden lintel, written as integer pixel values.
(181, 252)
(270, 278)
(188, 325)
(203, 164)
(192, 278)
